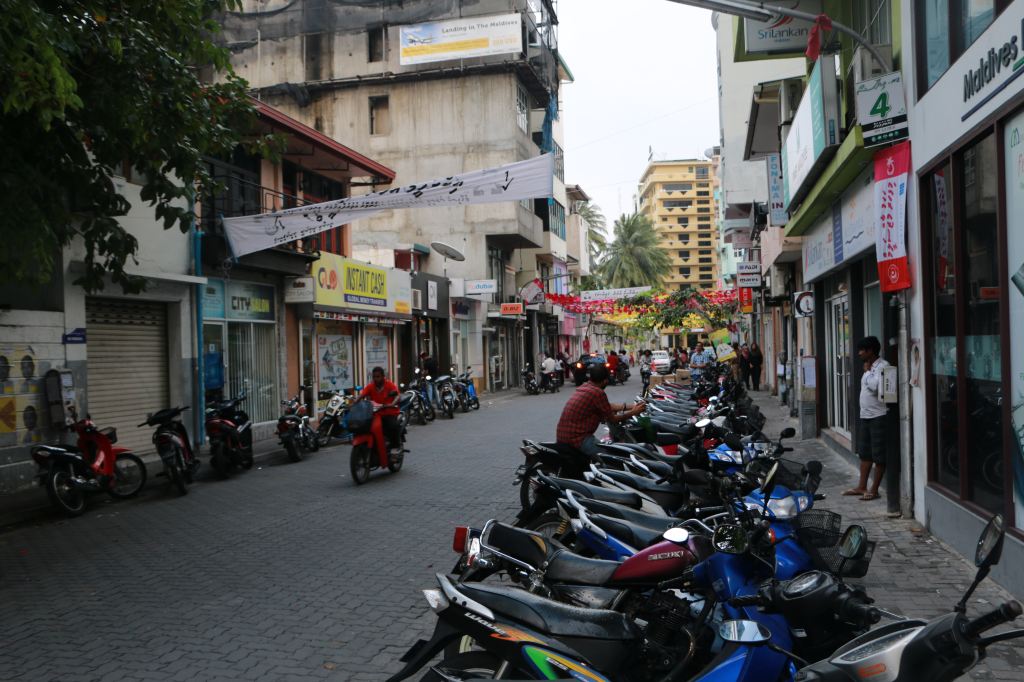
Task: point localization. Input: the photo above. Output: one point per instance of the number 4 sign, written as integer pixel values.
(882, 109)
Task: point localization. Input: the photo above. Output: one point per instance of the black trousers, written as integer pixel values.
(392, 431)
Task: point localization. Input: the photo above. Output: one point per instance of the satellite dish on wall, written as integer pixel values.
(447, 251)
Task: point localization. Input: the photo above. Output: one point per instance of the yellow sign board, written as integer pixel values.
(353, 285)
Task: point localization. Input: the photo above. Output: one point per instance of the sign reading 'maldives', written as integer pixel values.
(994, 63)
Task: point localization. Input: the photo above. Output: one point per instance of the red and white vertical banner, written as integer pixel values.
(892, 170)
(746, 300)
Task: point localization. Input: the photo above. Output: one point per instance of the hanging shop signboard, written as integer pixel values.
(753, 281)
(481, 286)
(803, 303)
(776, 195)
(347, 284)
(780, 34)
(746, 300)
(892, 168)
(882, 109)
(814, 135)
(511, 308)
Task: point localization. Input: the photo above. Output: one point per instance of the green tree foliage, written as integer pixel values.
(88, 88)
(634, 257)
(596, 225)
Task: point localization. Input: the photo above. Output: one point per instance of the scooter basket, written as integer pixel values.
(360, 417)
(819, 532)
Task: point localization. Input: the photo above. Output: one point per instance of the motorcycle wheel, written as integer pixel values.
(311, 440)
(323, 432)
(176, 474)
(219, 460)
(247, 458)
(449, 410)
(292, 448)
(465, 405)
(476, 403)
(430, 412)
(421, 414)
(469, 665)
(129, 476)
(190, 469)
(527, 496)
(396, 466)
(62, 494)
(359, 464)
(550, 524)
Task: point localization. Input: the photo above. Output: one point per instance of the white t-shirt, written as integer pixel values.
(548, 365)
(871, 404)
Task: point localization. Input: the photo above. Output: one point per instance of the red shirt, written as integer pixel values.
(381, 396)
(584, 412)
(613, 361)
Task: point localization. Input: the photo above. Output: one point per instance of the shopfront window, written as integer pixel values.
(1013, 172)
(966, 341)
(945, 29)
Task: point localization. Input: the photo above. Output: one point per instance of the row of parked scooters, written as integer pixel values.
(690, 548)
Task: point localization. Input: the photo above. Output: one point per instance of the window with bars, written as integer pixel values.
(559, 162)
(703, 172)
(703, 210)
(522, 108)
(556, 219)
(496, 271)
(677, 186)
(676, 203)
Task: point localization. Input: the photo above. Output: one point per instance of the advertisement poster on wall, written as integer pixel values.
(376, 353)
(440, 41)
(1014, 173)
(723, 347)
(334, 355)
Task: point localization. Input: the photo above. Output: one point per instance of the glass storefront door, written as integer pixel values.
(838, 362)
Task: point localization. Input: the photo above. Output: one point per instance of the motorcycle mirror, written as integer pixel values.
(813, 467)
(854, 543)
(744, 632)
(787, 432)
(990, 544)
(730, 539)
(768, 484)
(678, 536)
(990, 548)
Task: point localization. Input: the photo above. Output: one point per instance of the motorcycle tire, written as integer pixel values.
(323, 432)
(430, 412)
(465, 406)
(359, 463)
(129, 476)
(219, 460)
(476, 403)
(61, 492)
(526, 498)
(449, 411)
(176, 475)
(191, 467)
(421, 414)
(292, 448)
(311, 440)
(469, 665)
(247, 458)
(551, 525)
(396, 465)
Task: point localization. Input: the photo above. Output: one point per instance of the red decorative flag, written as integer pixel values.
(821, 24)
(892, 168)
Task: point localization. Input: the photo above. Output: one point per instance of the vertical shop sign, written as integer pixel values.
(1014, 173)
(776, 196)
(892, 167)
(746, 300)
(334, 355)
(431, 295)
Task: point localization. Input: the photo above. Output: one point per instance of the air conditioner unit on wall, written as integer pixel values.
(417, 299)
(865, 66)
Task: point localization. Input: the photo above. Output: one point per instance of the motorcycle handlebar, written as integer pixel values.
(746, 600)
(857, 611)
(1004, 614)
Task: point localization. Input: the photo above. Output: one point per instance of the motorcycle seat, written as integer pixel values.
(637, 535)
(666, 427)
(569, 567)
(596, 492)
(617, 511)
(538, 551)
(658, 468)
(551, 617)
(645, 484)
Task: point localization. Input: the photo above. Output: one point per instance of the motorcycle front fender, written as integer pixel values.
(424, 650)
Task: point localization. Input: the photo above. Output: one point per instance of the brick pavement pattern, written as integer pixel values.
(290, 572)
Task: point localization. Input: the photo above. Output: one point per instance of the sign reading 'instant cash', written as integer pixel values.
(343, 284)
(366, 285)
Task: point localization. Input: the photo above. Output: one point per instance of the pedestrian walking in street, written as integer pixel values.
(698, 361)
(743, 361)
(585, 411)
(756, 363)
(645, 371)
(872, 441)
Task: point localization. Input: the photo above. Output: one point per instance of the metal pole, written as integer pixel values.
(906, 411)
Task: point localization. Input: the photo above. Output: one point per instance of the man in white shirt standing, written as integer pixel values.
(872, 439)
(547, 367)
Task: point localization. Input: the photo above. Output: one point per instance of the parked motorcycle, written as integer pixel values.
(294, 430)
(332, 421)
(466, 379)
(174, 447)
(364, 457)
(423, 383)
(94, 464)
(446, 395)
(230, 431)
(530, 381)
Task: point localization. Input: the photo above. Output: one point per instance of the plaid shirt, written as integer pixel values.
(584, 412)
(701, 358)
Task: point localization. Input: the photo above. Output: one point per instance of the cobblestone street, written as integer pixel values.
(290, 572)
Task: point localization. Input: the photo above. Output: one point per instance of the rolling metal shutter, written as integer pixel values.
(127, 366)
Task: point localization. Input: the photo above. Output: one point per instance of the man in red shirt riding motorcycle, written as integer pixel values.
(385, 393)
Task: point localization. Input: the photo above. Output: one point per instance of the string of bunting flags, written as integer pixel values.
(658, 309)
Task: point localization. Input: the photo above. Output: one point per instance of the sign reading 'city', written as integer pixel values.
(530, 179)
(440, 41)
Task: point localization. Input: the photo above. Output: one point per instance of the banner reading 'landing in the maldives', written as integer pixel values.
(892, 170)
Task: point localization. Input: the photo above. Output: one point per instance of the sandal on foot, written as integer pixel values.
(853, 492)
(867, 497)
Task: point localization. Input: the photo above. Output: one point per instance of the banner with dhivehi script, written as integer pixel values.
(530, 179)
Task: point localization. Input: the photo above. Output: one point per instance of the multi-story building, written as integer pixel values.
(679, 199)
(391, 78)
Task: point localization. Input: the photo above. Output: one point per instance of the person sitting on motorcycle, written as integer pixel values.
(585, 411)
(384, 393)
(546, 368)
(613, 365)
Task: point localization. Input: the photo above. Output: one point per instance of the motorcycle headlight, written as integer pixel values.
(783, 508)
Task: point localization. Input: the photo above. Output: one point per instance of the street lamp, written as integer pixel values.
(762, 11)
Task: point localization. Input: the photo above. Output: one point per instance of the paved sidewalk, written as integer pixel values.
(912, 572)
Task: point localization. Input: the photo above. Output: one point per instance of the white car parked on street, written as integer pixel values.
(660, 361)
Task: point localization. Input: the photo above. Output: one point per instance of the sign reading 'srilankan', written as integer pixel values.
(892, 168)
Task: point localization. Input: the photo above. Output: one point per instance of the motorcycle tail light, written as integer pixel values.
(459, 539)
(579, 365)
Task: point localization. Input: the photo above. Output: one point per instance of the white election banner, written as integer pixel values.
(530, 179)
(612, 294)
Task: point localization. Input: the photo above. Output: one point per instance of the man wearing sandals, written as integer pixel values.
(872, 441)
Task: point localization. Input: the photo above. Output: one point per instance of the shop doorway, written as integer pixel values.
(837, 335)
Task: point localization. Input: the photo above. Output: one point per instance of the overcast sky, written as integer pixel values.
(645, 77)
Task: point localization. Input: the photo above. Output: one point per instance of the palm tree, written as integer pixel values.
(634, 258)
(596, 225)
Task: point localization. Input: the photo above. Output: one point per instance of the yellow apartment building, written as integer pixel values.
(679, 198)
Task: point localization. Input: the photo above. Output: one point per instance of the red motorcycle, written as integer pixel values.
(230, 431)
(70, 472)
(174, 447)
(365, 454)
